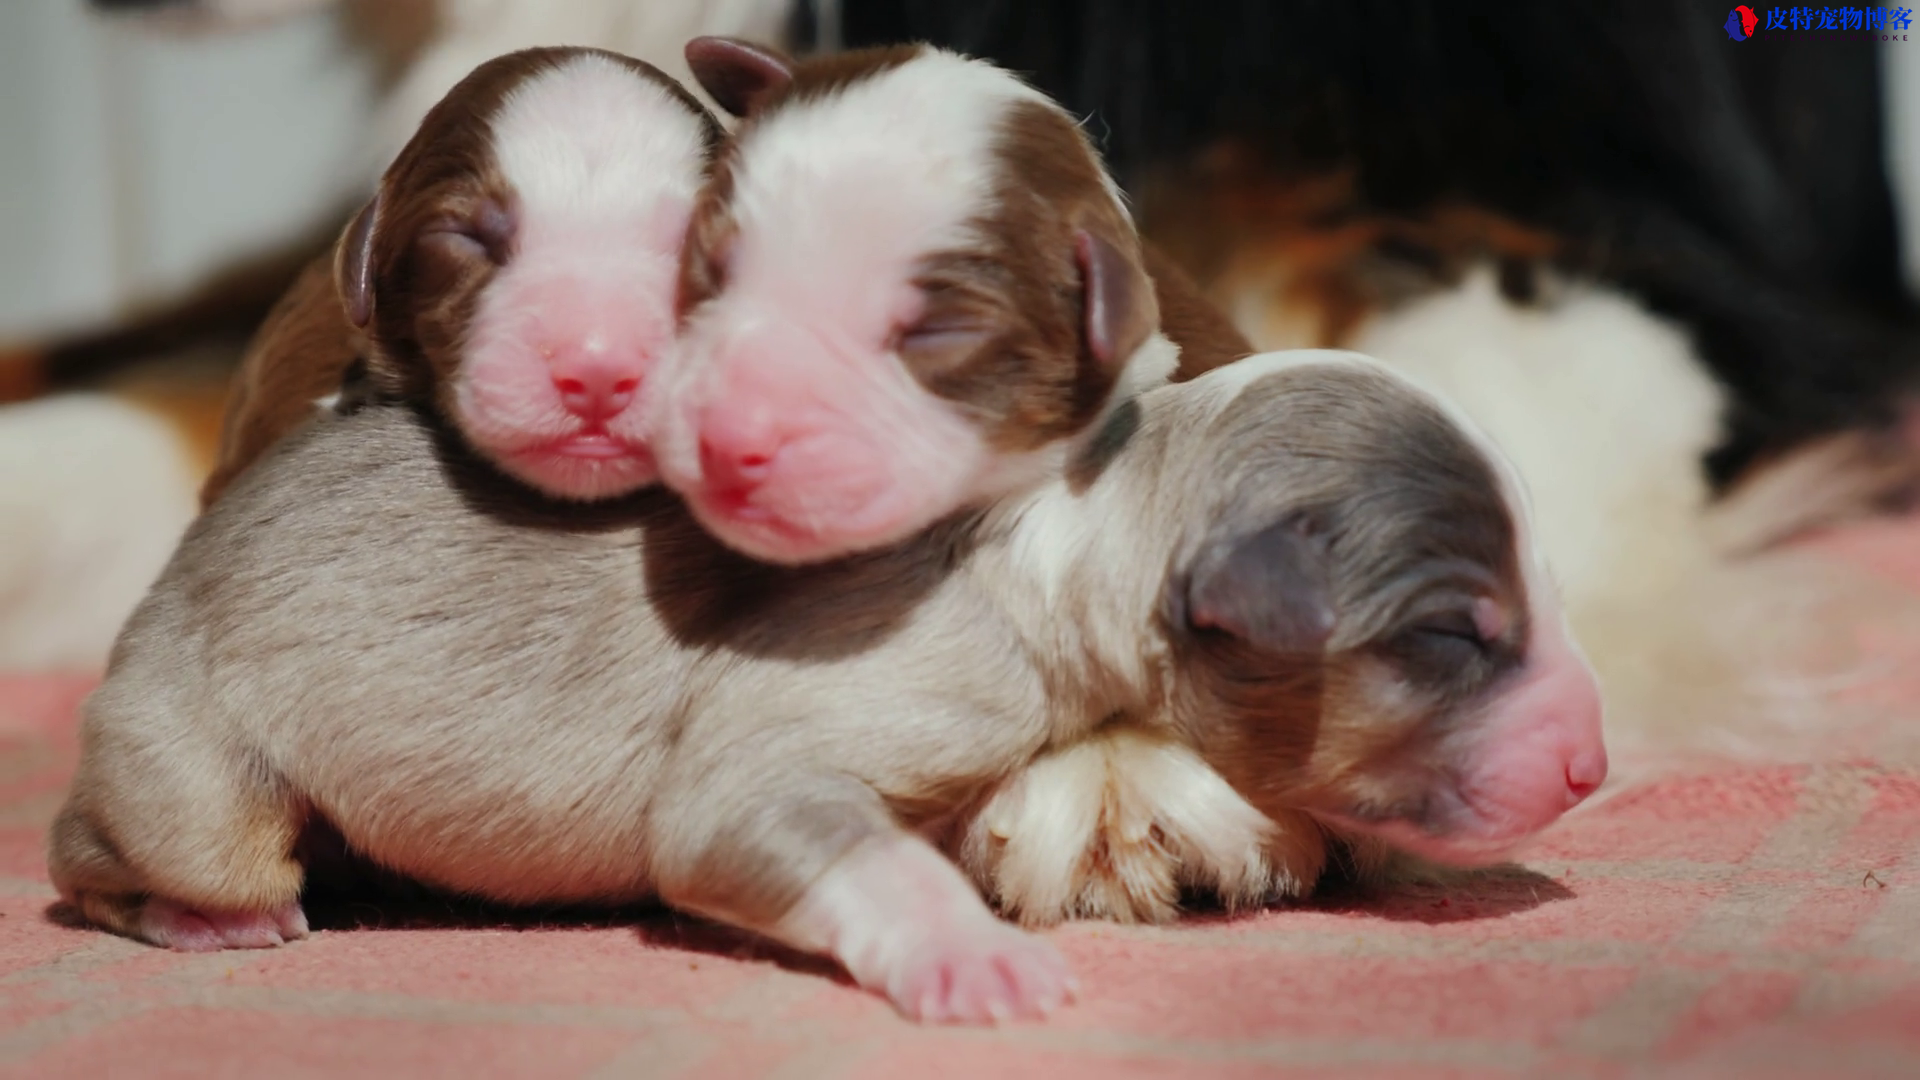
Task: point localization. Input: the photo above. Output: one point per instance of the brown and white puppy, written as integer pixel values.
(1300, 571)
(517, 267)
(305, 345)
(909, 288)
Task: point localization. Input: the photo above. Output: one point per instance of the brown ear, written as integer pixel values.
(736, 73)
(1120, 307)
(353, 265)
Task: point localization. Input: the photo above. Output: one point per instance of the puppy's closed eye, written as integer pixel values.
(1457, 625)
(1449, 641)
(940, 334)
(486, 231)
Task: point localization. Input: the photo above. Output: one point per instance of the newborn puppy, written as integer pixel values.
(1366, 644)
(516, 267)
(1301, 571)
(306, 344)
(909, 288)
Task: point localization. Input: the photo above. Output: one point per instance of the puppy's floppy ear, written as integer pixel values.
(1271, 589)
(1120, 307)
(736, 73)
(353, 265)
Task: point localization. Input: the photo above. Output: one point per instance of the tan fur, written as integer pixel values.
(298, 356)
(1119, 825)
(533, 703)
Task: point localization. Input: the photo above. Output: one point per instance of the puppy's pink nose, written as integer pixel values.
(1585, 773)
(594, 387)
(737, 448)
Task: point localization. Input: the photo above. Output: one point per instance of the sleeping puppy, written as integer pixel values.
(1366, 651)
(910, 288)
(1020, 354)
(1299, 570)
(523, 249)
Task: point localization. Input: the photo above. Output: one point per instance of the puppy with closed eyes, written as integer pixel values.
(516, 269)
(1300, 571)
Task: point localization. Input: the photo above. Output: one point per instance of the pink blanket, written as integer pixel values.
(1754, 922)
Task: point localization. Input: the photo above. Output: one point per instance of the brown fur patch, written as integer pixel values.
(298, 356)
(1320, 260)
(710, 233)
(1030, 374)
(1207, 338)
(425, 284)
(822, 76)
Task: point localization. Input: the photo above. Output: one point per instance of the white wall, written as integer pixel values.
(134, 161)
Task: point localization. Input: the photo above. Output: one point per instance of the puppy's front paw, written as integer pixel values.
(985, 972)
(164, 922)
(907, 925)
(1119, 825)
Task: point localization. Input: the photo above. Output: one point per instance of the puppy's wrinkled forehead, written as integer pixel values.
(1408, 501)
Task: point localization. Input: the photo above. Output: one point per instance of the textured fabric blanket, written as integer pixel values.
(1751, 922)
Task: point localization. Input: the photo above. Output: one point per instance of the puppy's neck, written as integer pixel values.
(1079, 561)
(1018, 475)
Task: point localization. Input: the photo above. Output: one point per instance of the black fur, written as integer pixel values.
(1738, 187)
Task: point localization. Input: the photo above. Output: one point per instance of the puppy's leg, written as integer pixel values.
(176, 841)
(1118, 825)
(829, 871)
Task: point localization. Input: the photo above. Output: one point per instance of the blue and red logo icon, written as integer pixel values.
(1842, 23)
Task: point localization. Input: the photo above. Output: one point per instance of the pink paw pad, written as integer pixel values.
(986, 975)
(164, 922)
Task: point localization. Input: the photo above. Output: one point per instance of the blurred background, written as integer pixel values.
(141, 161)
(1322, 167)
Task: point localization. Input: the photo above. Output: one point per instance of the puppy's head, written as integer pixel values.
(907, 285)
(1360, 625)
(517, 266)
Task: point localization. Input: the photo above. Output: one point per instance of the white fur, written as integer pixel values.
(474, 31)
(1604, 409)
(94, 493)
(873, 178)
(1051, 532)
(582, 145)
(949, 960)
(1114, 826)
(836, 200)
(604, 165)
